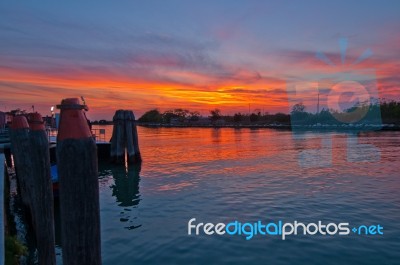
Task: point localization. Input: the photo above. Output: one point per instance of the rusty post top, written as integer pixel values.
(73, 122)
(72, 103)
(35, 121)
(19, 122)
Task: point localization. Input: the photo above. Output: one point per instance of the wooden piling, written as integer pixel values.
(125, 137)
(21, 152)
(138, 157)
(129, 121)
(118, 139)
(42, 193)
(31, 158)
(79, 189)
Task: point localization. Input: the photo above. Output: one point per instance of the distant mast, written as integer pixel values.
(318, 103)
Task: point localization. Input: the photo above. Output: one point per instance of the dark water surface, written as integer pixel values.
(223, 175)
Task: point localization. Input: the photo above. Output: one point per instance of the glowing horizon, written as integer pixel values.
(232, 57)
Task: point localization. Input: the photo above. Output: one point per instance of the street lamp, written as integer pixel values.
(52, 116)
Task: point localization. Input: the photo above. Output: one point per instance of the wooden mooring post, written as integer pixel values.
(117, 151)
(19, 136)
(125, 138)
(138, 156)
(132, 141)
(79, 189)
(42, 193)
(32, 162)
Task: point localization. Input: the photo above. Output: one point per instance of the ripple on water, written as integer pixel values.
(248, 175)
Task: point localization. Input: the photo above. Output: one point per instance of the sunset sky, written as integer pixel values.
(199, 55)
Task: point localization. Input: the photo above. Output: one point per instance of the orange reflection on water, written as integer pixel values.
(186, 158)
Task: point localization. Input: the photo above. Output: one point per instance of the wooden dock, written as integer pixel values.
(103, 148)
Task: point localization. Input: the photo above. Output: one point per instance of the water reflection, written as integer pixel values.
(323, 149)
(126, 191)
(126, 185)
(246, 174)
(216, 135)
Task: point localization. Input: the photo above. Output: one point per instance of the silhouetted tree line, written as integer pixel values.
(186, 116)
(180, 115)
(387, 112)
(390, 111)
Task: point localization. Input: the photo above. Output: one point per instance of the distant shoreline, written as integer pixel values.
(319, 127)
(323, 127)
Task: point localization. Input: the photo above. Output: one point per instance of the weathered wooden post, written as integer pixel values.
(129, 122)
(118, 139)
(79, 189)
(21, 152)
(42, 208)
(138, 157)
(124, 138)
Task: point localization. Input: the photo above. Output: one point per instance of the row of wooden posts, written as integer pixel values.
(32, 165)
(77, 163)
(125, 138)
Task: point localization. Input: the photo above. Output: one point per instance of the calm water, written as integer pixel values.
(222, 175)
